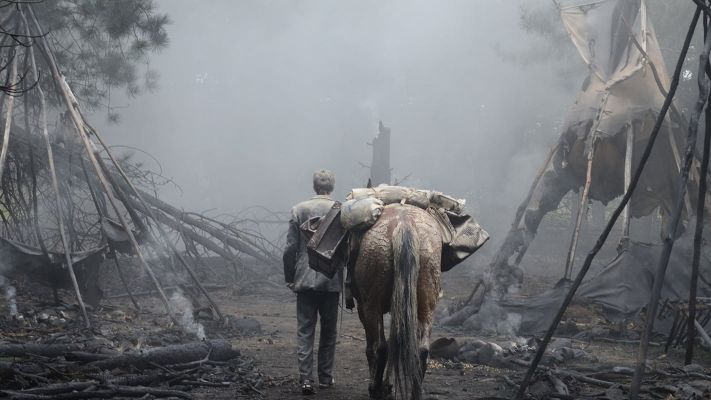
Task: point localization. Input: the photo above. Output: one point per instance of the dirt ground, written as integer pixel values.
(274, 348)
(275, 351)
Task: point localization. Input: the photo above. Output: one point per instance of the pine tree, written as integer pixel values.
(103, 46)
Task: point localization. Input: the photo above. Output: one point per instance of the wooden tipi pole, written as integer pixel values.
(72, 105)
(618, 211)
(55, 184)
(699, 228)
(704, 88)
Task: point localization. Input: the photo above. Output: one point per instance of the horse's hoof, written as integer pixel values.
(384, 392)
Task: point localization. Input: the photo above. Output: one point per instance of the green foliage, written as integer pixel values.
(104, 45)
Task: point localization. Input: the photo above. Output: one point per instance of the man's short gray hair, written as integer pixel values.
(324, 181)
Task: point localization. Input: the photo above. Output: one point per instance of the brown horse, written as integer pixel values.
(398, 271)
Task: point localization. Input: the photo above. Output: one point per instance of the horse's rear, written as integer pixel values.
(398, 271)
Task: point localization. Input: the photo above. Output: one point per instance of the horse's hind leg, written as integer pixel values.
(382, 389)
(370, 340)
(375, 348)
(424, 346)
(377, 353)
(424, 356)
(428, 293)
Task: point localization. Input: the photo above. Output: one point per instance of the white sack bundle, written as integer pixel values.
(361, 213)
(417, 197)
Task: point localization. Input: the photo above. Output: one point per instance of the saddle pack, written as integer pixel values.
(331, 241)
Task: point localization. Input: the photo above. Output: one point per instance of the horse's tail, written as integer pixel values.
(403, 346)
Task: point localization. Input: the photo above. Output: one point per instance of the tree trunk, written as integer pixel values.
(214, 350)
(380, 167)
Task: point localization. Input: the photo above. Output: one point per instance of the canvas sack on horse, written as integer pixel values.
(326, 245)
(359, 214)
(394, 194)
(406, 195)
(462, 237)
(461, 234)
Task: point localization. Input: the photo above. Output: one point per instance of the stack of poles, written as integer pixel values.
(12, 83)
(698, 231)
(704, 83)
(109, 186)
(72, 107)
(116, 186)
(53, 172)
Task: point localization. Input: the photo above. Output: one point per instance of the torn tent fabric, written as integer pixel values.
(623, 92)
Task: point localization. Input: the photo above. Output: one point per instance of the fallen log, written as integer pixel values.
(586, 379)
(622, 341)
(205, 383)
(214, 350)
(85, 356)
(167, 288)
(59, 388)
(238, 243)
(103, 392)
(44, 350)
(460, 316)
(142, 379)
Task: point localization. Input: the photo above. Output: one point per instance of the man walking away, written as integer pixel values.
(316, 295)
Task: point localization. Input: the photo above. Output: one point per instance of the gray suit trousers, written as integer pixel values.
(309, 305)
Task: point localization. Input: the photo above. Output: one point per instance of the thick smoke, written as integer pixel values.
(492, 319)
(280, 90)
(11, 300)
(186, 320)
(10, 296)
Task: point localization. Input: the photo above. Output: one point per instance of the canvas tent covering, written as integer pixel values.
(621, 288)
(622, 92)
(605, 129)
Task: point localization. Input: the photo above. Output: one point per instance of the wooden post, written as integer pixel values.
(9, 102)
(677, 159)
(618, 211)
(698, 236)
(119, 271)
(702, 332)
(55, 183)
(380, 167)
(112, 252)
(522, 207)
(575, 207)
(33, 172)
(629, 153)
(582, 212)
(704, 86)
(508, 247)
(71, 103)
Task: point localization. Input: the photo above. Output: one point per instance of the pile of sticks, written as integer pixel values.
(613, 382)
(680, 311)
(80, 371)
(569, 371)
(71, 193)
